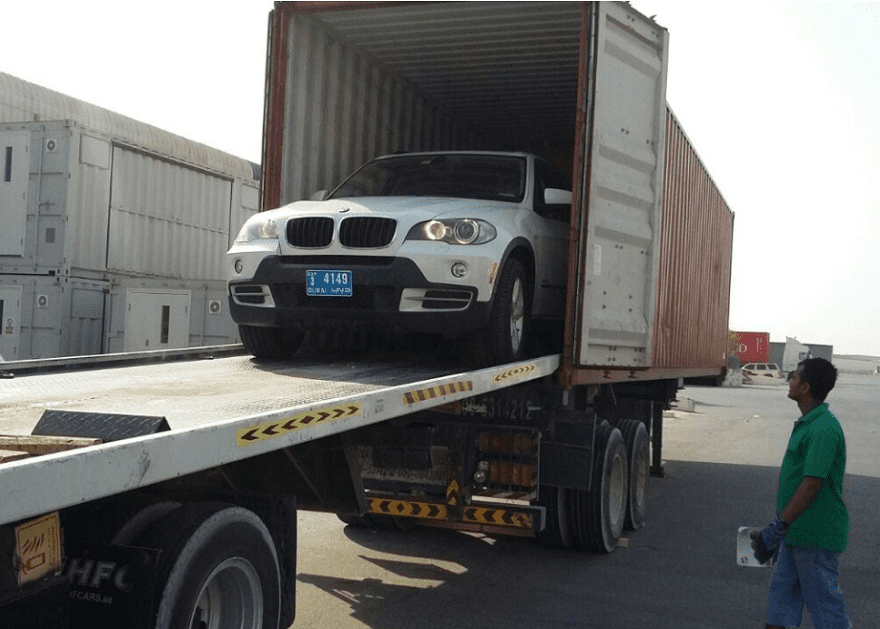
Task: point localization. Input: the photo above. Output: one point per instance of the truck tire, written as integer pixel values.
(638, 454)
(506, 337)
(218, 568)
(556, 532)
(274, 343)
(599, 513)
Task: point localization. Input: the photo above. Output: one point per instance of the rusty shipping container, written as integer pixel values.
(583, 85)
(693, 292)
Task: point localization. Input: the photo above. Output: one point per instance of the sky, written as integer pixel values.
(780, 99)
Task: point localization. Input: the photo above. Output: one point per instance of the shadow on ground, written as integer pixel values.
(679, 572)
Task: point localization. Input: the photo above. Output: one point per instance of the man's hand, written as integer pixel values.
(766, 543)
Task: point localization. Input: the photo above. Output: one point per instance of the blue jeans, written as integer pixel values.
(806, 576)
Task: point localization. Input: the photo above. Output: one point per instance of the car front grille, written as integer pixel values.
(310, 232)
(366, 232)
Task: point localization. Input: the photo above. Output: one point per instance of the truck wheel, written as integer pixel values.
(638, 454)
(556, 532)
(506, 337)
(275, 343)
(600, 512)
(218, 568)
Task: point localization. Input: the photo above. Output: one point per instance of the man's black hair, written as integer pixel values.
(820, 374)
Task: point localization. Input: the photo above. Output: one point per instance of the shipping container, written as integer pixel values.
(96, 199)
(693, 290)
(649, 272)
(750, 347)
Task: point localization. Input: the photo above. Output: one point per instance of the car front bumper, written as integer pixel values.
(388, 293)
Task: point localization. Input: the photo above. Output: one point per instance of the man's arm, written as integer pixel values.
(766, 542)
(802, 499)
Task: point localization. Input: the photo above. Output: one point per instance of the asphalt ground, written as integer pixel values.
(721, 463)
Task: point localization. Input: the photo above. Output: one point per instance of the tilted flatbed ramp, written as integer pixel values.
(219, 411)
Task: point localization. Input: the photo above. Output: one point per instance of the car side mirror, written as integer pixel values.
(555, 196)
(320, 195)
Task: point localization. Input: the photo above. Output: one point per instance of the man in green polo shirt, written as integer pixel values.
(812, 524)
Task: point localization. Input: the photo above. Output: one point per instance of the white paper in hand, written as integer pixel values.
(745, 556)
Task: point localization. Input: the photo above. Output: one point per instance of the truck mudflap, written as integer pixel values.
(512, 519)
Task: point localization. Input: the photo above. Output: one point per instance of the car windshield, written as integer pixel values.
(463, 176)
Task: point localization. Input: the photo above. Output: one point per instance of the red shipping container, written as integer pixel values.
(750, 347)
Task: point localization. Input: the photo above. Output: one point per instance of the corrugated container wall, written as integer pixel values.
(693, 290)
(349, 82)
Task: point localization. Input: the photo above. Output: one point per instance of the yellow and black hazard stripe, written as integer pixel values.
(498, 517)
(517, 372)
(406, 508)
(453, 492)
(420, 395)
(279, 427)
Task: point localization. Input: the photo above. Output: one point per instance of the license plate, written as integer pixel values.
(327, 283)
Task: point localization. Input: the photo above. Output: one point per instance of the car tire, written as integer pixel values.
(273, 343)
(509, 326)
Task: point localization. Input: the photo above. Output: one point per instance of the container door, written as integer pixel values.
(156, 320)
(621, 153)
(10, 321)
(14, 171)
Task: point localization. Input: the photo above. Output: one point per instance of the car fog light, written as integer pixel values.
(239, 266)
(459, 269)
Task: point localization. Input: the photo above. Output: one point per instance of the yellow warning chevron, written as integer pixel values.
(453, 492)
(516, 372)
(498, 517)
(279, 427)
(406, 508)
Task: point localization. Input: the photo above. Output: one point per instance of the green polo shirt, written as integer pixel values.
(816, 448)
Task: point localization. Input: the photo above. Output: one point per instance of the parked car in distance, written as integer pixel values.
(459, 244)
(758, 373)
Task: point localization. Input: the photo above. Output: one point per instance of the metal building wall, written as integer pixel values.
(57, 316)
(693, 291)
(21, 101)
(113, 205)
(166, 219)
(96, 205)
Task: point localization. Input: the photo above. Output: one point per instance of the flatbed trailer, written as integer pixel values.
(182, 431)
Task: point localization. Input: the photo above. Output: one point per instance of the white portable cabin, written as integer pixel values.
(112, 231)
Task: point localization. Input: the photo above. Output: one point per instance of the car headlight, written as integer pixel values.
(456, 231)
(257, 228)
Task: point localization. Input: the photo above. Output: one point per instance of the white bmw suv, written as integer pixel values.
(460, 244)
